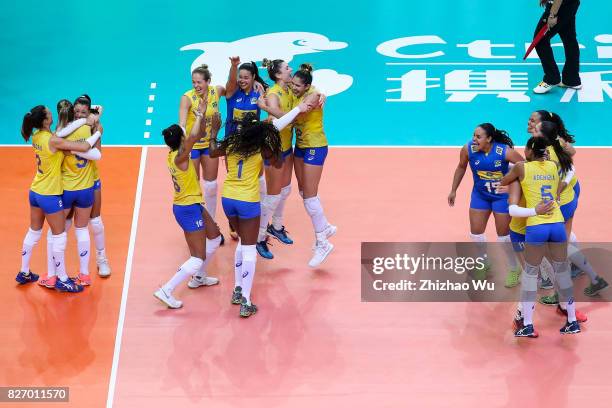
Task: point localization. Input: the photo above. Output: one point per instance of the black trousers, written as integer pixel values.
(566, 28)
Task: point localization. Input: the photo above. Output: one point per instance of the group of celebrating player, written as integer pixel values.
(259, 159)
(533, 201)
(66, 190)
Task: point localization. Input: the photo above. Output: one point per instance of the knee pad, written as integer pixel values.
(562, 275)
(82, 234)
(504, 238)
(249, 253)
(478, 237)
(213, 244)
(529, 283)
(210, 188)
(59, 242)
(312, 205)
(271, 201)
(32, 237)
(285, 192)
(96, 225)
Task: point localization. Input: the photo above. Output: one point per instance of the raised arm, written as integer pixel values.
(214, 150)
(184, 107)
(182, 158)
(458, 176)
(232, 80)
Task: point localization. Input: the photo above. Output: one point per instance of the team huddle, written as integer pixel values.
(66, 190)
(533, 201)
(259, 160)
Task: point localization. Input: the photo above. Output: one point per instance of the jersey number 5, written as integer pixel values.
(545, 192)
(81, 162)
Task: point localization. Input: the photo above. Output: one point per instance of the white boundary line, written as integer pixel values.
(597, 64)
(126, 278)
(334, 146)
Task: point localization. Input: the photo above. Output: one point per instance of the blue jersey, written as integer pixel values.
(488, 169)
(239, 105)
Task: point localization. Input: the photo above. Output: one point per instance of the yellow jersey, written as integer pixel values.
(95, 171)
(309, 126)
(568, 194)
(540, 183)
(519, 224)
(286, 101)
(77, 173)
(48, 177)
(211, 108)
(242, 181)
(186, 185)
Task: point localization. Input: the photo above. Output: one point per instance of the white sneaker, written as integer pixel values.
(576, 87)
(104, 269)
(330, 230)
(168, 299)
(322, 249)
(543, 88)
(197, 281)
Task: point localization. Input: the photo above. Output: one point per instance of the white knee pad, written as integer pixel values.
(312, 205)
(249, 253)
(210, 188)
(285, 192)
(504, 238)
(32, 237)
(96, 225)
(59, 242)
(82, 234)
(478, 237)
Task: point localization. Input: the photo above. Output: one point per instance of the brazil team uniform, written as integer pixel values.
(240, 196)
(97, 182)
(187, 205)
(46, 188)
(78, 174)
(201, 146)
(310, 139)
(540, 183)
(238, 105)
(571, 193)
(487, 170)
(286, 103)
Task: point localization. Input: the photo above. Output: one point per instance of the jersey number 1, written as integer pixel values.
(492, 186)
(240, 163)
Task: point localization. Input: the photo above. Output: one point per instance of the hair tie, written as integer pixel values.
(550, 114)
(29, 114)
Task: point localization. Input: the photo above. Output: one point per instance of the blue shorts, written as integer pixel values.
(480, 202)
(197, 153)
(97, 185)
(79, 198)
(240, 209)
(543, 233)
(568, 210)
(50, 204)
(189, 217)
(312, 155)
(518, 241)
(286, 154)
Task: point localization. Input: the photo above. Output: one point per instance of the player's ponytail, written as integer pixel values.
(33, 120)
(273, 67)
(65, 113)
(497, 135)
(538, 146)
(550, 131)
(556, 119)
(305, 73)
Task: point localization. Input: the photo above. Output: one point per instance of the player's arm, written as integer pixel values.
(516, 173)
(564, 183)
(57, 143)
(184, 107)
(220, 90)
(458, 176)
(271, 105)
(512, 156)
(214, 150)
(232, 80)
(182, 158)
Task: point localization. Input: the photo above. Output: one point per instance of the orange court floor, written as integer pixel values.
(312, 342)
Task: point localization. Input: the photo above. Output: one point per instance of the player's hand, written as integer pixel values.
(502, 189)
(451, 198)
(203, 104)
(216, 122)
(91, 120)
(322, 100)
(261, 103)
(258, 88)
(235, 61)
(551, 22)
(545, 207)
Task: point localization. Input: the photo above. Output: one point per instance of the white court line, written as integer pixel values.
(126, 278)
